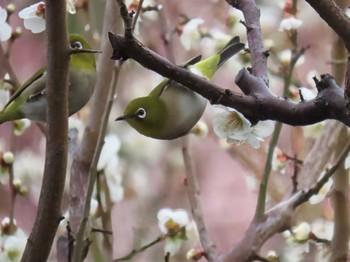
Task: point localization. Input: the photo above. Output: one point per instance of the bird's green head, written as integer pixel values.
(82, 61)
(147, 115)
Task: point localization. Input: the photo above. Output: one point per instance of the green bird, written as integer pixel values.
(29, 101)
(171, 109)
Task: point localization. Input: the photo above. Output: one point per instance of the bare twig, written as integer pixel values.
(305, 196)
(148, 245)
(81, 166)
(5, 63)
(335, 17)
(127, 18)
(13, 196)
(329, 103)
(194, 197)
(317, 239)
(275, 220)
(252, 22)
(295, 175)
(136, 16)
(260, 208)
(340, 193)
(98, 230)
(93, 166)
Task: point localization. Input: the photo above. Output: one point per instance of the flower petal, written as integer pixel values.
(3, 15)
(36, 24)
(172, 246)
(263, 128)
(5, 32)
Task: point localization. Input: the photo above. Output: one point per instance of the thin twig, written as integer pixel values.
(148, 245)
(136, 16)
(98, 230)
(13, 197)
(86, 51)
(5, 63)
(260, 208)
(84, 156)
(305, 196)
(92, 171)
(295, 175)
(127, 18)
(193, 195)
(317, 239)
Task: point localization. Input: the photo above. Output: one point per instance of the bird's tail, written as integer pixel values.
(230, 49)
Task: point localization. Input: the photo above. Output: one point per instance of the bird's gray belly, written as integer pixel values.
(187, 108)
(80, 90)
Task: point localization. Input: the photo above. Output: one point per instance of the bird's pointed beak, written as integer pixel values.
(123, 117)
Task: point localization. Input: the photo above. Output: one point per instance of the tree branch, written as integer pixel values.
(260, 105)
(49, 208)
(254, 36)
(196, 208)
(276, 220)
(335, 17)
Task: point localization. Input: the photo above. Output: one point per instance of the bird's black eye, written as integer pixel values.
(76, 45)
(141, 113)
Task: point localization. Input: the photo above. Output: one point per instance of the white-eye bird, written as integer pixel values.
(171, 109)
(29, 101)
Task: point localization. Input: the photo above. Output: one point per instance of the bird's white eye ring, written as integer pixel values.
(141, 113)
(77, 45)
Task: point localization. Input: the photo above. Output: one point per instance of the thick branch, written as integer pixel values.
(49, 208)
(254, 36)
(335, 17)
(276, 220)
(262, 105)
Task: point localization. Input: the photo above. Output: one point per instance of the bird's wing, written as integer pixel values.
(37, 90)
(158, 90)
(192, 61)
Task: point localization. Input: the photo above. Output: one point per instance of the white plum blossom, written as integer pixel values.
(177, 225)
(313, 131)
(220, 38)
(110, 148)
(279, 160)
(4, 94)
(8, 157)
(200, 129)
(71, 6)
(194, 254)
(151, 14)
(191, 35)
(308, 93)
(272, 256)
(323, 229)
(230, 124)
(301, 232)
(12, 243)
(21, 125)
(5, 28)
(297, 240)
(93, 207)
(109, 162)
(325, 189)
(290, 23)
(347, 162)
(34, 17)
(285, 57)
